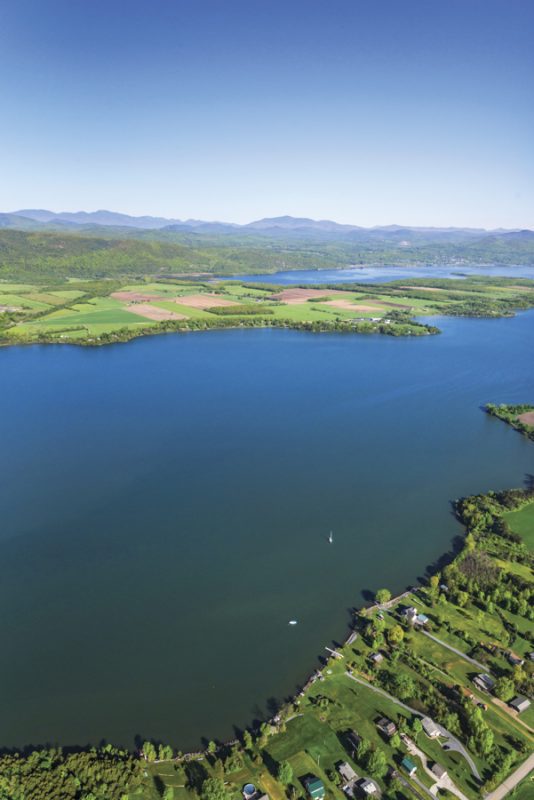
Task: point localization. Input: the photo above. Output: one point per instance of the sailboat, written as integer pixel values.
(330, 537)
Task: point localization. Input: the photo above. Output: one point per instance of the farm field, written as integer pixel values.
(522, 522)
(98, 312)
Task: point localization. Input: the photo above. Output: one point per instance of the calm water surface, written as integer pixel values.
(165, 506)
(384, 274)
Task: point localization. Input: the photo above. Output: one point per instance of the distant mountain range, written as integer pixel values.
(36, 244)
(31, 218)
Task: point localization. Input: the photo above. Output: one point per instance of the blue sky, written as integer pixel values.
(364, 111)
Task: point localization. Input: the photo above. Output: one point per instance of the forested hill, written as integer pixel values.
(41, 253)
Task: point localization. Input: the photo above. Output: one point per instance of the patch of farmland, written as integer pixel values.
(205, 301)
(153, 312)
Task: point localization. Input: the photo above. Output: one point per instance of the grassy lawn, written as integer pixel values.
(522, 522)
(525, 790)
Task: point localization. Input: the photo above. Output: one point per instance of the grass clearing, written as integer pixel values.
(522, 522)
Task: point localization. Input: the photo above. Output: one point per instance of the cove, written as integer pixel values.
(166, 502)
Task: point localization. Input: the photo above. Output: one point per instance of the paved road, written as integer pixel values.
(452, 744)
(512, 780)
(439, 783)
(483, 667)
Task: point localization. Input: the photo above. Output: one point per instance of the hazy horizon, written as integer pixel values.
(370, 114)
(186, 219)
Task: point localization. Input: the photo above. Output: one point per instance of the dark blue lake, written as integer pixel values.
(165, 507)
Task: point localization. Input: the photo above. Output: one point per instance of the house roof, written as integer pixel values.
(377, 656)
(430, 726)
(408, 764)
(346, 771)
(315, 787)
(520, 703)
(487, 680)
(438, 770)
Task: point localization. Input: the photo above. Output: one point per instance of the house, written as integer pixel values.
(531, 656)
(347, 773)
(376, 657)
(353, 738)
(421, 619)
(439, 771)
(368, 786)
(515, 661)
(387, 727)
(430, 728)
(314, 787)
(484, 682)
(410, 615)
(409, 766)
(520, 703)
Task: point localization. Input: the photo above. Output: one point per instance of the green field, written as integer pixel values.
(85, 311)
(522, 522)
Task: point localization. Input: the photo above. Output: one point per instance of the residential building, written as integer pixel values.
(409, 766)
(314, 787)
(430, 728)
(484, 682)
(387, 727)
(439, 771)
(346, 772)
(520, 703)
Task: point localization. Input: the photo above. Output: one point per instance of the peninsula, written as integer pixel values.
(97, 312)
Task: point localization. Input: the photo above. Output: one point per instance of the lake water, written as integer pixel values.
(166, 502)
(383, 274)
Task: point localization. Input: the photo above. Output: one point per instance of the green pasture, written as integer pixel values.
(521, 522)
(18, 288)
(22, 301)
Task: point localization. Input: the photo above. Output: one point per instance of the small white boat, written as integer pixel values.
(330, 537)
(292, 621)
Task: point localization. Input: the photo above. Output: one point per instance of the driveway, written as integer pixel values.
(477, 664)
(440, 783)
(452, 742)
